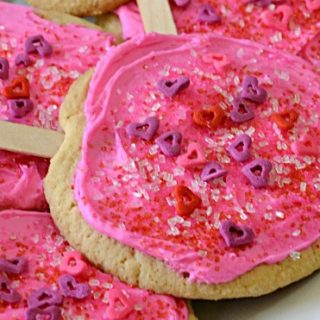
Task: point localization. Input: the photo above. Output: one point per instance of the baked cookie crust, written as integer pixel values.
(78, 7)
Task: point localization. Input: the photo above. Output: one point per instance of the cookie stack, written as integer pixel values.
(190, 164)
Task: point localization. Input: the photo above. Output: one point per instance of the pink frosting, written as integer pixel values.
(124, 187)
(34, 236)
(21, 187)
(75, 49)
(239, 19)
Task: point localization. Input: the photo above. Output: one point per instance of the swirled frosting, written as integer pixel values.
(125, 187)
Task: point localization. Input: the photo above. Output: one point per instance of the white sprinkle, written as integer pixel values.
(250, 131)
(249, 8)
(228, 196)
(171, 202)
(156, 107)
(279, 214)
(295, 255)
(209, 211)
(153, 149)
(138, 307)
(107, 285)
(119, 124)
(174, 231)
(268, 216)
(296, 233)
(178, 171)
(83, 49)
(240, 53)
(296, 98)
(250, 208)
(283, 75)
(94, 282)
(303, 186)
(277, 37)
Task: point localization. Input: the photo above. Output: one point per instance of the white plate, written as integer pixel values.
(300, 301)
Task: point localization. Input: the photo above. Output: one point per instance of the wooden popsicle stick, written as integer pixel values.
(29, 140)
(157, 16)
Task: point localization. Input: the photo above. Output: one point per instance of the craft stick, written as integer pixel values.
(157, 16)
(29, 140)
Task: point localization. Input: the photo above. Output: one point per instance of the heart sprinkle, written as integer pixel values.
(119, 306)
(239, 149)
(210, 118)
(212, 171)
(186, 200)
(257, 172)
(19, 88)
(208, 15)
(235, 235)
(193, 157)
(170, 143)
(38, 44)
(171, 88)
(8, 294)
(285, 120)
(19, 108)
(14, 266)
(252, 91)
(71, 288)
(144, 130)
(72, 263)
(241, 111)
(22, 59)
(53, 312)
(44, 297)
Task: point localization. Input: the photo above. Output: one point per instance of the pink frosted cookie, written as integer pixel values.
(39, 60)
(40, 274)
(202, 154)
(283, 24)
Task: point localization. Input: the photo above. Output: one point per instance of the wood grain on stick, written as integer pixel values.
(157, 16)
(29, 140)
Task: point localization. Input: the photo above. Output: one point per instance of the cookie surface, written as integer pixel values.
(76, 46)
(43, 263)
(79, 7)
(137, 268)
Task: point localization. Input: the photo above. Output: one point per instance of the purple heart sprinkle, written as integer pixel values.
(38, 44)
(170, 143)
(22, 59)
(212, 171)
(4, 68)
(44, 297)
(144, 130)
(235, 235)
(241, 111)
(53, 312)
(239, 149)
(170, 88)
(71, 288)
(252, 91)
(182, 3)
(14, 266)
(19, 108)
(7, 294)
(207, 14)
(258, 172)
